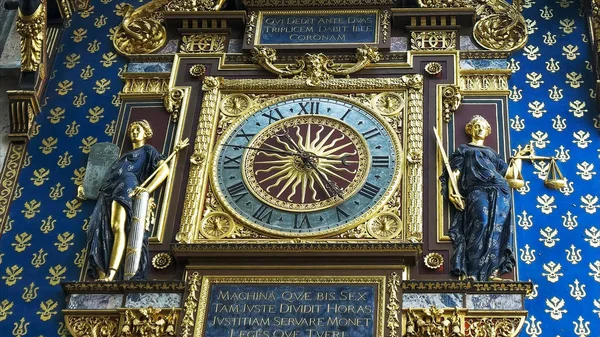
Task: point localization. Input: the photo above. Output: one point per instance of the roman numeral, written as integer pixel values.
(339, 212)
(237, 191)
(371, 133)
(381, 161)
(369, 190)
(345, 114)
(273, 118)
(248, 136)
(234, 160)
(301, 221)
(263, 212)
(314, 108)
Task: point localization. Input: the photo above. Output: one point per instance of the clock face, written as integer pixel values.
(307, 165)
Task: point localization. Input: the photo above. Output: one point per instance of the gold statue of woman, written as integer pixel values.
(111, 219)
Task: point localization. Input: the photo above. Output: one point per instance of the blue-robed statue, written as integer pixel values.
(139, 171)
(481, 229)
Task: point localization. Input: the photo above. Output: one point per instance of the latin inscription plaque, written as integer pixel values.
(293, 309)
(312, 27)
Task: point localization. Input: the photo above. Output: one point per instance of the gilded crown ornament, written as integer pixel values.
(314, 67)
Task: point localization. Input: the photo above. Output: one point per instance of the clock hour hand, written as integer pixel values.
(302, 153)
(263, 149)
(330, 186)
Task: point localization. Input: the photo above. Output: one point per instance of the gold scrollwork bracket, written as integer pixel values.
(32, 29)
(315, 68)
(501, 25)
(451, 99)
(96, 323)
(462, 322)
(149, 321)
(173, 100)
(141, 31)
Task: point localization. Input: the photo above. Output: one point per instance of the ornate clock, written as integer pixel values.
(307, 165)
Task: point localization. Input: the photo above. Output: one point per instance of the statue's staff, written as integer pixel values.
(178, 147)
(456, 194)
(141, 205)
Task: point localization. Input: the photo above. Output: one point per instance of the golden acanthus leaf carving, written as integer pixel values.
(433, 322)
(451, 99)
(141, 31)
(172, 101)
(493, 326)
(32, 29)
(501, 26)
(315, 68)
(149, 322)
(92, 325)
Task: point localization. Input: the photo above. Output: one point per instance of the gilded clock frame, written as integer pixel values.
(200, 202)
(370, 213)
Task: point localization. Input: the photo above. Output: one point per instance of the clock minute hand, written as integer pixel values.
(329, 185)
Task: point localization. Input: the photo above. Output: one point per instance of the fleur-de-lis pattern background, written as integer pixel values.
(551, 105)
(44, 238)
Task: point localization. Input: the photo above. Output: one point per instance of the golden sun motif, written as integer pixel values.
(306, 163)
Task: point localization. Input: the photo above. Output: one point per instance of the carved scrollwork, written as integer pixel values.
(433, 322)
(172, 101)
(492, 326)
(501, 26)
(92, 325)
(32, 30)
(141, 31)
(145, 322)
(190, 305)
(315, 68)
(451, 99)
(393, 307)
(203, 43)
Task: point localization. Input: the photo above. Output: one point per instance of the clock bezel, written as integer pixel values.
(391, 189)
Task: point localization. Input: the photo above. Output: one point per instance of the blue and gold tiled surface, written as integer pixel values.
(552, 104)
(558, 232)
(44, 239)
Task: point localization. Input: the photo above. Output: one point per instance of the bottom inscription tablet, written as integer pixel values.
(301, 307)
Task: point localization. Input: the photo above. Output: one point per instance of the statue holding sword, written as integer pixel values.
(118, 223)
(481, 229)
